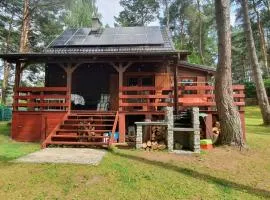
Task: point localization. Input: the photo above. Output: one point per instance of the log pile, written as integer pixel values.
(157, 139)
(149, 146)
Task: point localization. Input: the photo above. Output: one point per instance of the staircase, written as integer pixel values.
(84, 128)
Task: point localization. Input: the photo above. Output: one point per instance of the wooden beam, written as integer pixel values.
(120, 69)
(175, 74)
(69, 70)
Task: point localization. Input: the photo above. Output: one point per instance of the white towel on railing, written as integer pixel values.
(77, 99)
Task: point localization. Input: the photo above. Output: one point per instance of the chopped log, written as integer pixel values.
(162, 146)
(148, 148)
(144, 145)
(149, 143)
(155, 145)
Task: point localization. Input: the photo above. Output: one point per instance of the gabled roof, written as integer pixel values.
(120, 39)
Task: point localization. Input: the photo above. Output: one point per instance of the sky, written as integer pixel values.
(111, 8)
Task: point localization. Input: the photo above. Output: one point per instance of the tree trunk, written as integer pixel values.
(167, 14)
(24, 46)
(5, 84)
(260, 89)
(200, 31)
(7, 67)
(262, 38)
(228, 115)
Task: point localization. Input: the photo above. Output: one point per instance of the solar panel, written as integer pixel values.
(76, 40)
(111, 37)
(83, 31)
(62, 39)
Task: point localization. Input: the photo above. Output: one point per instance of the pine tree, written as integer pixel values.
(137, 12)
(228, 115)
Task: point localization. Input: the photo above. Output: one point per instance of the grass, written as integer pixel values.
(224, 173)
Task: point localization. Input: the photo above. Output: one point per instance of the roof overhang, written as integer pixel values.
(204, 68)
(94, 56)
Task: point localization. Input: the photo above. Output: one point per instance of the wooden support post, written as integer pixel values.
(120, 69)
(209, 125)
(122, 127)
(120, 79)
(69, 70)
(175, 80)
(243, 124)
(122, 117)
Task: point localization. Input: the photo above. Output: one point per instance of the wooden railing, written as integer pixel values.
(152, 98)
(41, 99)
(203, 96)
(111, 141)
(144, 98)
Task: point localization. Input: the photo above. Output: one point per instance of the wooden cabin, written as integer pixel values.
(100, 81)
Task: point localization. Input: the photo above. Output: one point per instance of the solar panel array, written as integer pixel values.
(119, 36)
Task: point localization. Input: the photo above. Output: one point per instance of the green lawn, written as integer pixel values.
(224, 173)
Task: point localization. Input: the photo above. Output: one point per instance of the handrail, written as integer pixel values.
(151, 97)
(44, 143)
(42, 89)
(114, 128)
(41, 98)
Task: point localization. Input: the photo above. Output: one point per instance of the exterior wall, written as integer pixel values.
(34, 126)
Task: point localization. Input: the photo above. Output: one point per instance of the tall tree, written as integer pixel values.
(80, 13)
(194, 29)
(8, 37)
(24, 41)
(257, 74)
(200, 30)
(228, 115)
(166, 4)
(137, 12)
(263, 46)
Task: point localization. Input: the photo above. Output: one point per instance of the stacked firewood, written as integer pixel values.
(157, 139)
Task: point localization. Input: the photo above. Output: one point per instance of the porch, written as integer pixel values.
(47, 112)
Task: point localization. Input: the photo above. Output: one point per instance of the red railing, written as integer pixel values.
(111, 141)
(203, 96)
(144, 98)
(152, 98)
(41, 99)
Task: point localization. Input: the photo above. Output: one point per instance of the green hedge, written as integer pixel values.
(250, 89)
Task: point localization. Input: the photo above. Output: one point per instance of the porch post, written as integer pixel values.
(175, 80)
(209, 125)
(69, 70)
(122, 117)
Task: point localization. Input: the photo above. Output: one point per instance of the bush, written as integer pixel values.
(250, 89)
(267, 86)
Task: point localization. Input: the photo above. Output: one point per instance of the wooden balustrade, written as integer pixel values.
(145, 98)
(203, 96)
(152, 98)
(41, 99)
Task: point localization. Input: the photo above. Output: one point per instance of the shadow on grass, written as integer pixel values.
(198, 175)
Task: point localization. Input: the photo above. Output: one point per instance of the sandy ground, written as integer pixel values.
(65, 155)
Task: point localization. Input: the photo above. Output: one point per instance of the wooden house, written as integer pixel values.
(102, 80)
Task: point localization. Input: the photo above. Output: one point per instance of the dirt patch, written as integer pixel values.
(65, 155)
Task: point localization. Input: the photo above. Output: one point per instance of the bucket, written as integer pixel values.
(116, 136)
